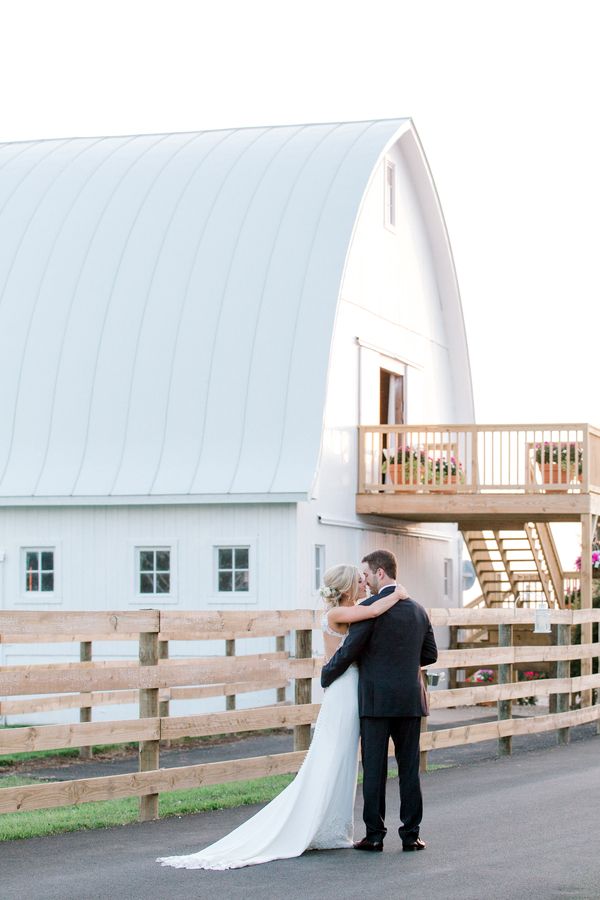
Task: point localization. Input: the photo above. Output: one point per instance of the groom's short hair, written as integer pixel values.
(382, 559)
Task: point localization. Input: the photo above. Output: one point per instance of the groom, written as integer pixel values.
(390, 651)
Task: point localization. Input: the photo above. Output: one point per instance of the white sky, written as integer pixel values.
(503, 95)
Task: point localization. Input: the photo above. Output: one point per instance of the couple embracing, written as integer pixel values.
(375, 646)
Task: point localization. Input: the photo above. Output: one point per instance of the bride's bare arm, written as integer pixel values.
(348, 614)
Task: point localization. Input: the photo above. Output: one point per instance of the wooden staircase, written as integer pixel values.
(516, 567)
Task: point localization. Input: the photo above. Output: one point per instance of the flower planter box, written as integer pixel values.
(398, 474)
(553, 475)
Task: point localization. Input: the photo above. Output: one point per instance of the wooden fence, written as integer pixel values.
(155, 679)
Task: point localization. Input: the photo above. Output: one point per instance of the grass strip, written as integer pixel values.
(86, 816)
(105, 814)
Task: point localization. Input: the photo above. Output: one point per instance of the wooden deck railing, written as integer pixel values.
(479, 458)
(98, 679)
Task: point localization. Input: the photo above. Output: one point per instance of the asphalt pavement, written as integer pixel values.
(500, 829)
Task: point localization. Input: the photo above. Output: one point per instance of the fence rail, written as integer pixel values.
(155, 680)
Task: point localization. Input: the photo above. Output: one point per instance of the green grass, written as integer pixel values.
(120, 812)
(86, 816)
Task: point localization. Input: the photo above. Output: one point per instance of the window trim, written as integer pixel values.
(39, 598)
(230, 598)
(390, 209)
(322, 566)
(173, 596)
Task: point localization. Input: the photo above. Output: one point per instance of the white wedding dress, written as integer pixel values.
(315, 811)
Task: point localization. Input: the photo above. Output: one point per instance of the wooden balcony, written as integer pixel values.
(480, 475)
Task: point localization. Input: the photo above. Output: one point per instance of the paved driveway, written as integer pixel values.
(526, 827)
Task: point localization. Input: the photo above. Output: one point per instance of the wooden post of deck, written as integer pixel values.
(505, 676)
(230, 651)
(85, 712)
(563, 670)
(280, 648)
(586, 598)
(303, 688)
(164, 706)
(148, 750)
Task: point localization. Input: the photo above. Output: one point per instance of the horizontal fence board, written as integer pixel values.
(34, 622)
(54, 737)
(226, 690)
(492, 656)
(67, 701)
(74, 627)
(583, 616)
(111, 698)
(487, 731)
(140, 784)
(235, 624)
(239, 720)
(116, 675)
(487, 616)
(484, 693)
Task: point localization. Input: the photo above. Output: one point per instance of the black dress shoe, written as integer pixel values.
(414, 845)
(369, 846)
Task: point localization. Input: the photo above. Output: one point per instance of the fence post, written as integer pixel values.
(505, 676)
(453, 645)
(85, 712)
(563, 670)
(552, 698)
(424, 721)
(303, 688)
(164, 706)
(280, 648)
(148, 750)
(230, 651)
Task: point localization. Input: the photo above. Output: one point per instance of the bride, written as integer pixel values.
(315, 811)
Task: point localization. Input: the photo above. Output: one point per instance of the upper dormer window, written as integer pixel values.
(389, 170)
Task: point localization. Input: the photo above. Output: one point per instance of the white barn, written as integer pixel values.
(192, 328)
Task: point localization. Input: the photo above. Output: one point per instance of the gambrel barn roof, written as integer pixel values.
(167, 305)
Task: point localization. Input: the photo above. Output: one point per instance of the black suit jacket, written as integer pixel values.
(390, 651)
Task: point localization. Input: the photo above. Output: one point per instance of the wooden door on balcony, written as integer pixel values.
(391, 398)
(391, 406)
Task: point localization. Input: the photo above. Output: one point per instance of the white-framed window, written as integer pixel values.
(389, 194)
(154, 571)
(38, 571)
(233, 570)
(319, 565)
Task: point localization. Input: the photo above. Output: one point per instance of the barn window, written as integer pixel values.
(39, 571)
(233, 570)
(319, 565)
(390, 194)
(154, 570)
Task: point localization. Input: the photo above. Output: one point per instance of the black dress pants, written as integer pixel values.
(375, 733)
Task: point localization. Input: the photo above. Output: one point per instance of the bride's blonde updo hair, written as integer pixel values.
(340, 582)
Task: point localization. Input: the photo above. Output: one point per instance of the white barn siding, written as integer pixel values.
(95, 570)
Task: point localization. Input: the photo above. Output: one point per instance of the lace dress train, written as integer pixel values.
(315, 811)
